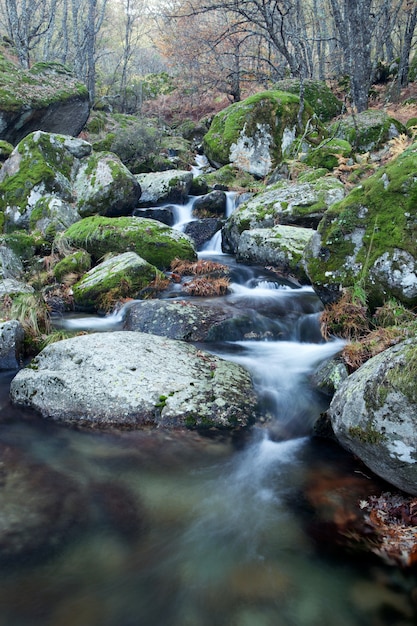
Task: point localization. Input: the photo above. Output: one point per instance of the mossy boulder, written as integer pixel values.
(41, 164)
(121, 276)
(255, 134)
(326, 154)
(370, 238)
(104, 186)
(367, 131)
(321, 98)
(291, 203)
(153, 241)
(280, 246)
(77, 262)
(47, 97)
(162, 187)
(6, 149)
(373, 415)
(51, 215)
(226, 177)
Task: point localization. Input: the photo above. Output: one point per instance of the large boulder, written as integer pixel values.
(49, 178)
(47, 97)
(255, 134)
(104, 186)
(122, 276)
(370, 237)
(373, 414)
(162, 187)
(321, 98)
(290, 203)
(132, 380)
(153, 241)
(368, 130)
(280, 246)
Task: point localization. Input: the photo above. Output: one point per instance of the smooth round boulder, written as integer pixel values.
(373, 414)
(134, 380)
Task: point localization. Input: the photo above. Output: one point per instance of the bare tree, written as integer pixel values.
(26, 22)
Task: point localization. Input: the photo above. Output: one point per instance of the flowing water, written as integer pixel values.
(180, 529)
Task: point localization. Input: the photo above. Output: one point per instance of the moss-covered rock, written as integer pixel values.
(370, 237)
(373, 415)
(104, 186)
(41, 164)
(153, 241)
(255, 134)
(301, 204)
(77, 262)
(46, 97)
(368, 130)
(162, 187)
(326, 154)
(122, 276)
(227, 177)
(6, 149)
(51, 215)
(321, 98)
(280, 246)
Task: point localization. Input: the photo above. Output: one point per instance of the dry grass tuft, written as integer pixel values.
(207, 287)
(346, 318)
(197, 268)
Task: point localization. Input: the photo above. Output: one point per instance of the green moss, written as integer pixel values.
(366, 435)
(318, 95)
(275, 110)
(78, 262)
(156, 243)
(403, 376)
(326, 154)
(368, 130)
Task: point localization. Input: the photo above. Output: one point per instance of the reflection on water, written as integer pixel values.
(179, 529)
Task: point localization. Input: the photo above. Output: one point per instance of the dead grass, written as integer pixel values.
(207, 287)
(201, 267)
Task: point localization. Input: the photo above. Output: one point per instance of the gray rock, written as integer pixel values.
(211, 205)
(122, 276)
(132, 380)
(373, 414)
(161, 214)
(200, 321)
(104, 186)
(10, 285)
(288, 203)
(280, 246)
(201, 231)
(11, 344)
(160, 187)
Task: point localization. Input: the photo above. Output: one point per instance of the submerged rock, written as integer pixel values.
(133, 380)
(39, 507)
(373, 414)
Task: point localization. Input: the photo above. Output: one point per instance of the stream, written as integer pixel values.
(184, 529)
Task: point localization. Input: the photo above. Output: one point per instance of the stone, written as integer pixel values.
(288, 203)
(122, 276)
(46, 97)
(212, 204)
(165, 214)
(155, 242)
(163, 187)
(280, 246)
(11, 345)
(369, 237)
(367, 131)
(104, 186)
(202, 230)
(40, 508)
(320, 97)
(133, 380)
(373, 415)
(201, 321)
(254, 135)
